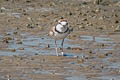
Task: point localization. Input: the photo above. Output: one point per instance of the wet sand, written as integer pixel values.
(92, 50)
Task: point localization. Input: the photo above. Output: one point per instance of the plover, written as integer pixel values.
(60, 32)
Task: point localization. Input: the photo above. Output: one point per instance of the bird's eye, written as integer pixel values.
(59, 22)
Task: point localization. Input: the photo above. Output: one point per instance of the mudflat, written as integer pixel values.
(92, 49)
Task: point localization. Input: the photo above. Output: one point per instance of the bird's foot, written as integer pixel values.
(62, 53)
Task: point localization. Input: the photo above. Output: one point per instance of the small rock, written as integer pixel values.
(117, 28)
(70, 13)
(69, 48)
(3, 8)
(28, 1)
(7, 33)
(19, 42)
(84, 19)
(20, 48)
(29, 18)
(72, 36)
(84, 3)
(44, 60)
(101, 18)
(101, 28)
(97, 2)
(106, 54)
(36, 53)
(103, 45)
(90, 51)
(17, 28)
(102, 66)
(32, 58)
(6, 39)
(97, 10)
(81, 27)
(77, 48)
(75, 56)
(52, 4)
(81, 61)
(30, 25)
(116, 21)
(71, 29)
(15, 32)
(13, 50)
(42, 38)
(84, 14)
(101, 56)
(40, 27)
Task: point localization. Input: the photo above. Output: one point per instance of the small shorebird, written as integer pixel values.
(60, 32)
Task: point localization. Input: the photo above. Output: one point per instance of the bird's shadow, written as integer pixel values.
(69, 55)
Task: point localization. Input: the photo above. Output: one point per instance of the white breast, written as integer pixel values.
(59, 36)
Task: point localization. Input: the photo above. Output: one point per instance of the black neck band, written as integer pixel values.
(61, 32)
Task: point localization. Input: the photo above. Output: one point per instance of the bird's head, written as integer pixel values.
(63, 22)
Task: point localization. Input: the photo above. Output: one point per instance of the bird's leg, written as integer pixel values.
(62, 47)
(56, 48)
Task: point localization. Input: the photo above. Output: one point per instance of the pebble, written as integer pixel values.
(3, 8)
(40, 27)
(97, 2)
(84, 19)
(76, 48)
(106, 54)
(69, 48)
(13, 49)
(116, 21)
(101, 56)
(90, 51)
(71, 29)
(80, 61)
(18, 42)
(52, 4)
(30, 25)
(101, 18)
(117, 28)
(70, 13)
(15, 32)
(6, 39)
(36, 53)
(20, 48)
(84, 14)
(28, 1)
(97, 10)
(81, 27)
(75, 56)
(72, 36)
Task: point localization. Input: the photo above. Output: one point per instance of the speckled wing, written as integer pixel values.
(51, 33)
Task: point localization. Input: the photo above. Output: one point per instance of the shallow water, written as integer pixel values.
(101, 39)
(76, 78)
(38, 45)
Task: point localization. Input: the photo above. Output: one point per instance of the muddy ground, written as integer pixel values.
(92, 50)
